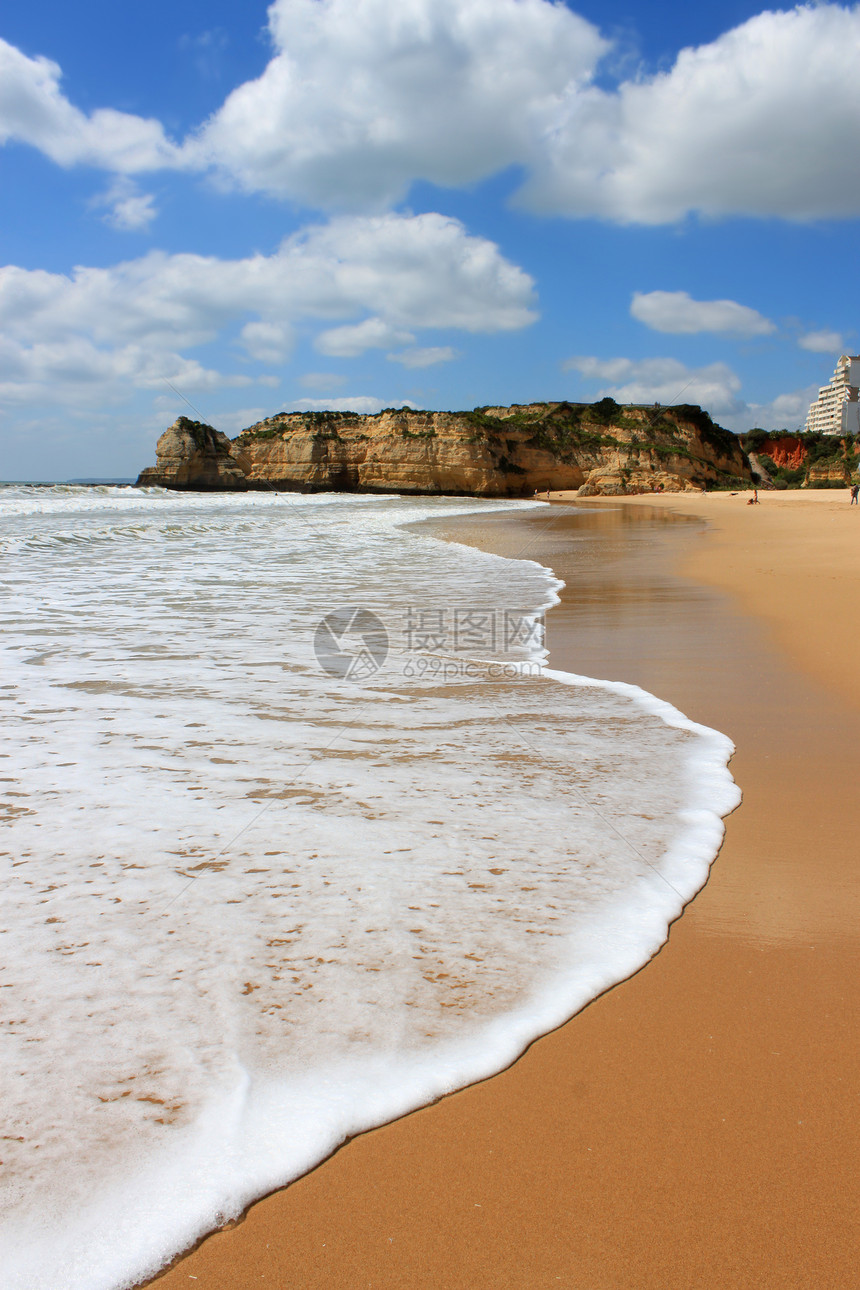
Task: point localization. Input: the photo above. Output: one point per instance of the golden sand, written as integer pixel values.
(695, 1127)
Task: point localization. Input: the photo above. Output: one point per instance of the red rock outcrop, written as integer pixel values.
(787, 451)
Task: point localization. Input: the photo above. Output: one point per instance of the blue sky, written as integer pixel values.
(361, 203)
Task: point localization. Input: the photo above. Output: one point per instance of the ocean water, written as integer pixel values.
(298, 832)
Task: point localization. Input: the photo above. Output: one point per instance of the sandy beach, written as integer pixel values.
(696, 1125)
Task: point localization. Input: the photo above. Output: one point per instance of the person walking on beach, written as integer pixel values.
(855, 489)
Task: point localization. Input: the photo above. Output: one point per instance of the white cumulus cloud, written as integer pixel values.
(822, 342)
(429, 356)
(268, 342)
(367, 403)
(350, 341)
(662, 380)
(715, 387)
(677, 313)
(34, 110)
(785, 412)
(322, 380)
(754, 123)
(127, 208)
(365, 96)
(381, 277)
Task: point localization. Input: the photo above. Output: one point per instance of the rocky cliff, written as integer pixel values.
(190, 455)
(802, 460)
(786, 451)
(597, 448)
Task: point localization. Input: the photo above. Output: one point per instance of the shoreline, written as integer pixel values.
(654, 1139)
(801, 564)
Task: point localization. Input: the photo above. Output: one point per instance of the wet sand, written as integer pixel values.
(696, 1125)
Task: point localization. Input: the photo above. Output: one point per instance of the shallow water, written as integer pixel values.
(268, 882)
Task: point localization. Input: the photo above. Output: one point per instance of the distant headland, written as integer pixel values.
(598, 449)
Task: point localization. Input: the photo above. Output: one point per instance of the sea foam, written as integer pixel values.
(252, 908)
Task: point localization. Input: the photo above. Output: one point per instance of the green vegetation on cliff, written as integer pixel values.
(564, 427)
(592, 448)
(804, 460)
(200, 432)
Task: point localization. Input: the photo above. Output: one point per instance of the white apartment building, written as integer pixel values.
(837, 408)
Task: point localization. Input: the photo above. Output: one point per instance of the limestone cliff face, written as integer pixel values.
(490, 452)
(190, 455)
(827, 474)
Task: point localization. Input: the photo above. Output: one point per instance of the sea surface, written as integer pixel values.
(299, 831)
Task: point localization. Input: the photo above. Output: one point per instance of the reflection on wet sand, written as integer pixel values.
(626, 614)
